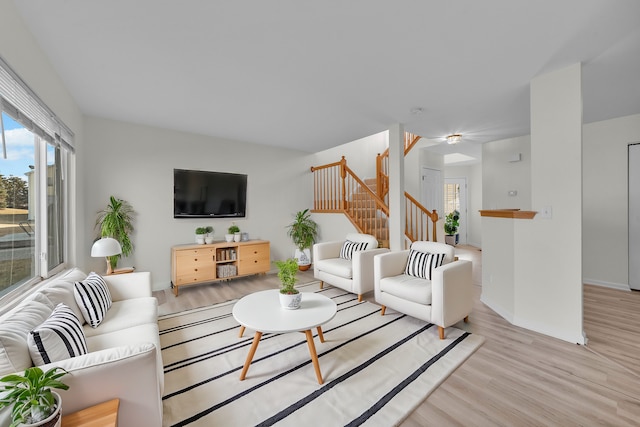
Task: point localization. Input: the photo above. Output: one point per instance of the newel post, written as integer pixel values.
(379, 176)
(434, 219)
(343, 175)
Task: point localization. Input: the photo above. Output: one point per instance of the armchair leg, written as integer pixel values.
(382, 310)
(466, 319)
(359, 297)
(321, 284)
(441, 332)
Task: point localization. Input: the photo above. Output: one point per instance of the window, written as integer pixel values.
(35, 149)
(451, 198)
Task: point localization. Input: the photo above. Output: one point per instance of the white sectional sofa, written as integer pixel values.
(123, 359)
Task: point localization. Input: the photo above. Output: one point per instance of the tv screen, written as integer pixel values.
(202, 194)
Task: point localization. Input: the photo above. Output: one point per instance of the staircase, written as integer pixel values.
(338, 189)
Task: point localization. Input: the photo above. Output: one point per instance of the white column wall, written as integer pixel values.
(548, 262)
(396, 221)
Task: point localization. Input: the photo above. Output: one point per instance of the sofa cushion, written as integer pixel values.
(422, 264)
(14, 328)
(349, 247)
(57, 338)
(125, 314)
(93, 298)
(336, 266)
(408, 288)
(60, 290)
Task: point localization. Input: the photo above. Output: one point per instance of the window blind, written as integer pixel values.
(20, 102)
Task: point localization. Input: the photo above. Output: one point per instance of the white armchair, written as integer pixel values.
(444, 300)
(353, 275)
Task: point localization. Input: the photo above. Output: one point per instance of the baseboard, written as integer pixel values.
(619, 286)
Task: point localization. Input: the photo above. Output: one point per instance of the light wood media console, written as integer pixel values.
(194, 264)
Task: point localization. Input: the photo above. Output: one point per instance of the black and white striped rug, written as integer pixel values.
(376, 369)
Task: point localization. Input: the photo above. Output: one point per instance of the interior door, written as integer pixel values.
(634, 216)
(432, 190)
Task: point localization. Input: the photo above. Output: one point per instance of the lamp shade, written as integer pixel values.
(106, 246)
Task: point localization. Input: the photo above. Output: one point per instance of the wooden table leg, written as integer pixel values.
(320, 335)
(314, 355)
(252, 351)
(241, 331)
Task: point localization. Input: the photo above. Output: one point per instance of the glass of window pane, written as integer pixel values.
(17, 225)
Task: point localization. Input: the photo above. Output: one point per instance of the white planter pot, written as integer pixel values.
(228, 237)
(290, 301)
(237, 237)
(208, 240)
(200, 239)
(451, 239)
(304, 258)
(53, 420)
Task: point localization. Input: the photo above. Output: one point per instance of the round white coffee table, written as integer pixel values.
(261, 311)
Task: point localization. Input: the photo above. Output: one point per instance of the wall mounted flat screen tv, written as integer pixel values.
(202, 194)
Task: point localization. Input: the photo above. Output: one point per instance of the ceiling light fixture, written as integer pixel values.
(417, 110)
(454, 138)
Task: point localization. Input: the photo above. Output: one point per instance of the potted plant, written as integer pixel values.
(116, 221)
(200, 235)
(451, 225)
(290, 297)
(208, 239)
(233, 233)
(303, 231)
(34, 403)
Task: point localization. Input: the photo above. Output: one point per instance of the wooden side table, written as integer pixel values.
(101, 415)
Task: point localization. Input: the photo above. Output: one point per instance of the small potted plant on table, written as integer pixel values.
(200, 235)
(290, 297)
(34, 403)
(232, 232)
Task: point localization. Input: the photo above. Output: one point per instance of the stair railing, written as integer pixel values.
(382, 164)
(417, 220)
(337, 188)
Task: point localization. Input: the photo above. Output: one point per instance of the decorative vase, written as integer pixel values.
(53, 420)
(237, 237)
(228, 237)
(451, 239)
(200, 239)
(290, 301)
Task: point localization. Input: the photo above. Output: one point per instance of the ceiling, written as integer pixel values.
(314, 75)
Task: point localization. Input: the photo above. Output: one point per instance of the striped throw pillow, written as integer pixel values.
(349, 247)
(93, 298)
(57, 338)
(422, 264)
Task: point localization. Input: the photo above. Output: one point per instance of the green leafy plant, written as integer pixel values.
(287, 271)
(116, 221)
(233, 229)
(303, 231)
(451, 223)
(209, 229)
(31, 394)
(201, 230)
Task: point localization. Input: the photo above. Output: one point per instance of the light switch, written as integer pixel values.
(513, 193)
(546, 212)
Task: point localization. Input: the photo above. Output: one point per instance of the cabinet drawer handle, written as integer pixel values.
(195, 269)
(255, 262)
(196, 259)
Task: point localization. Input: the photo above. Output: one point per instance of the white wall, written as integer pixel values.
(20, 50)
(135, 163)
(473, 175)
(499, 175)
(360, 154)
(605, 207)
(548, 270)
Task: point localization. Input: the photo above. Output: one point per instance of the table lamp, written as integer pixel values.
(106, 247)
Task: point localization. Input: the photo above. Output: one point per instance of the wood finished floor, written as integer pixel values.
(518, 377)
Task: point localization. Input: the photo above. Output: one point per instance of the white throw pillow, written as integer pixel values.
(422, 264)
(349, 247)
(57, 338)
(93, 298)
